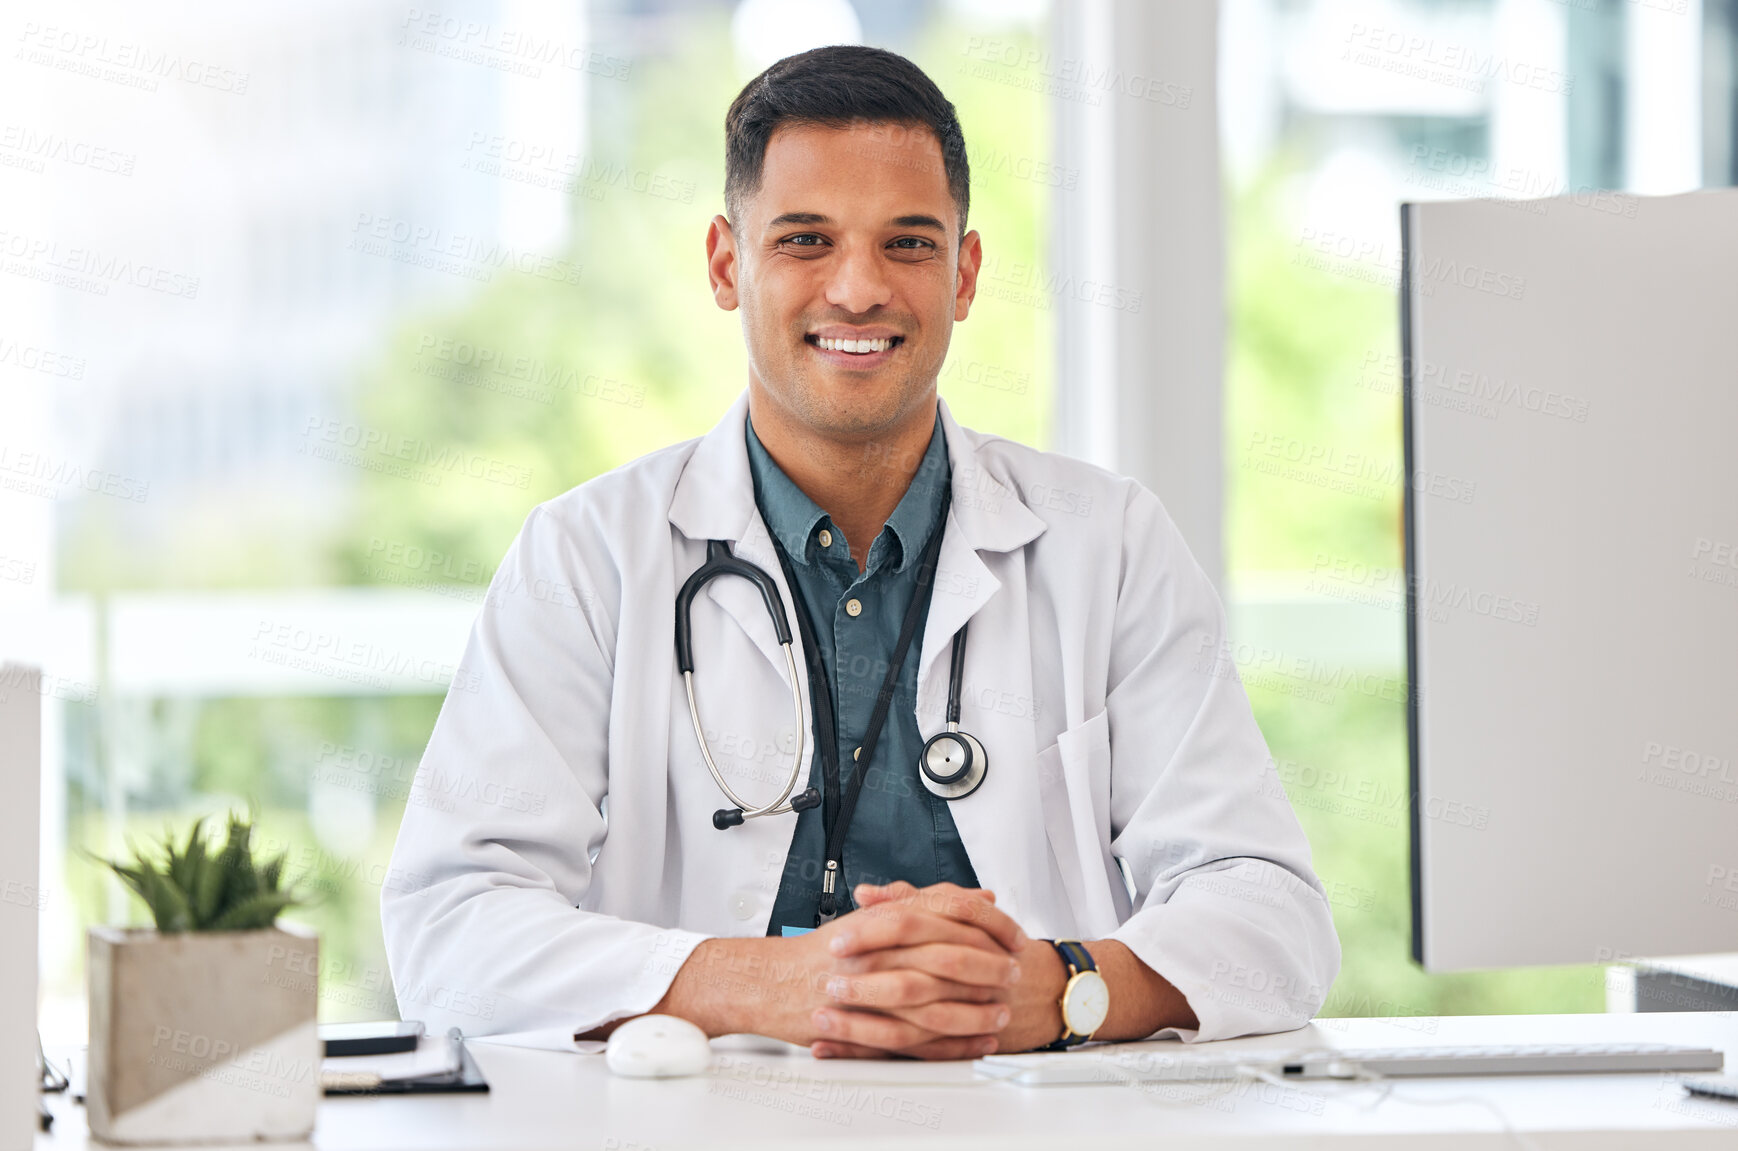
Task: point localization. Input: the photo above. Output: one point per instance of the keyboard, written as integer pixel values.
(1143, 1064)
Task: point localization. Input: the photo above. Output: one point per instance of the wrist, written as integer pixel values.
(719, 987)
(1141, 1000)
(1037, 1015)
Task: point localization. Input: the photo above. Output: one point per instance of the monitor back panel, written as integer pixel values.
(1571, 417)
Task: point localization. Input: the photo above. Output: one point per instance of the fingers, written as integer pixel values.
(951, 1017)
(969, 905)
(909, 1027)
(944, 962)
(903, 923)
(946, 1047)
(867, 1029)
(889, 990)
(823, 1050)
(868, 893)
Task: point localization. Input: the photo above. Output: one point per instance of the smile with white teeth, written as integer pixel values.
(855, 347)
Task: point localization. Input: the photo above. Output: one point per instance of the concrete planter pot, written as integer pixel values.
(202, 1037)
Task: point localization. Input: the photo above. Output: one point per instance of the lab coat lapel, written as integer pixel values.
(980, 575)
(985, 514)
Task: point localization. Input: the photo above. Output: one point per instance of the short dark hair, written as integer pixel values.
(835, 87)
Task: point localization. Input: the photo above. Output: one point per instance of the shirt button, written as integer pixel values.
(853, 608)
(744, 904)
(826, 538)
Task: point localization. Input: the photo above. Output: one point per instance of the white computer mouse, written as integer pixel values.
(657, 1047)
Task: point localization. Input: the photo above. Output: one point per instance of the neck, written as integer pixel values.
(859, 481)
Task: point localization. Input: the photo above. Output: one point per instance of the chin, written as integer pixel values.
(842, 408)
(862, 420)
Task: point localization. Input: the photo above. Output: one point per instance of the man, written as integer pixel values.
(573, 875)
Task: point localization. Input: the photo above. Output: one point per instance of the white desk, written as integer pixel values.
(757, 1097)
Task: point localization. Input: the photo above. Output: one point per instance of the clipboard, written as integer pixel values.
(464, 1075)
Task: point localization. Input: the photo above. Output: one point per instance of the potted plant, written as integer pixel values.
(204, 1029)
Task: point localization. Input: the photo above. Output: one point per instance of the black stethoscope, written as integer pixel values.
(951, 765)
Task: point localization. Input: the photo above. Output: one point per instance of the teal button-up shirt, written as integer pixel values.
(899, 830)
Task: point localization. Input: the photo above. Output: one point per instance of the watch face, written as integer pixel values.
(1085, 1003)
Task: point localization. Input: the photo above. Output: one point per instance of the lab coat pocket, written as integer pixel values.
(1074, 775)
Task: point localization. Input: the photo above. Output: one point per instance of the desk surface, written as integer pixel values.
(760, 1094)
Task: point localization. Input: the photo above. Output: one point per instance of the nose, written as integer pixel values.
(859, 280)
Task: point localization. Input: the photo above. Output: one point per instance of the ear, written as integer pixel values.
(966, 278)
(721, 266)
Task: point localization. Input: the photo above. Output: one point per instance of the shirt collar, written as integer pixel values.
(792, 517)
(919, 510)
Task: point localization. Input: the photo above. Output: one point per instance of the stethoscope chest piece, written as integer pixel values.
(952, 764)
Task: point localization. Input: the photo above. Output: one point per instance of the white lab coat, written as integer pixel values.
(557, 860)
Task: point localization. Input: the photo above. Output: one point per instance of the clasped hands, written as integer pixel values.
(932, 973)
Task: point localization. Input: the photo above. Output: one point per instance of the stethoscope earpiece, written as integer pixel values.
(728, 817)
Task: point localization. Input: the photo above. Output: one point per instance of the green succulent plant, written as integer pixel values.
(197, 888)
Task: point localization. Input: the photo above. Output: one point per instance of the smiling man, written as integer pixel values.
(1018, 798)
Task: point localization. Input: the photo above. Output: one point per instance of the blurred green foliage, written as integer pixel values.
(1301, 342)
(1344, 767)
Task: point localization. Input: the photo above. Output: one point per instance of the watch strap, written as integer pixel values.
(1074, 955)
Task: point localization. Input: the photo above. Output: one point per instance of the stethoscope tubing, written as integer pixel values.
(720, 561)
(748, 810)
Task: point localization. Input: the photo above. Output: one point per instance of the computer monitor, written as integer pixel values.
(1571, 531)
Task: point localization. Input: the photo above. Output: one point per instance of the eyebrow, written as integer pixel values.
(815, 218)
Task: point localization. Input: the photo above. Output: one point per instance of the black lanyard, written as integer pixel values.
(836, 814)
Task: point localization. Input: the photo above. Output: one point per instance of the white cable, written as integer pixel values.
(1387, 1092)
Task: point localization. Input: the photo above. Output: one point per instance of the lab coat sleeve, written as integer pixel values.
(479, 908)
(1227, 906)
